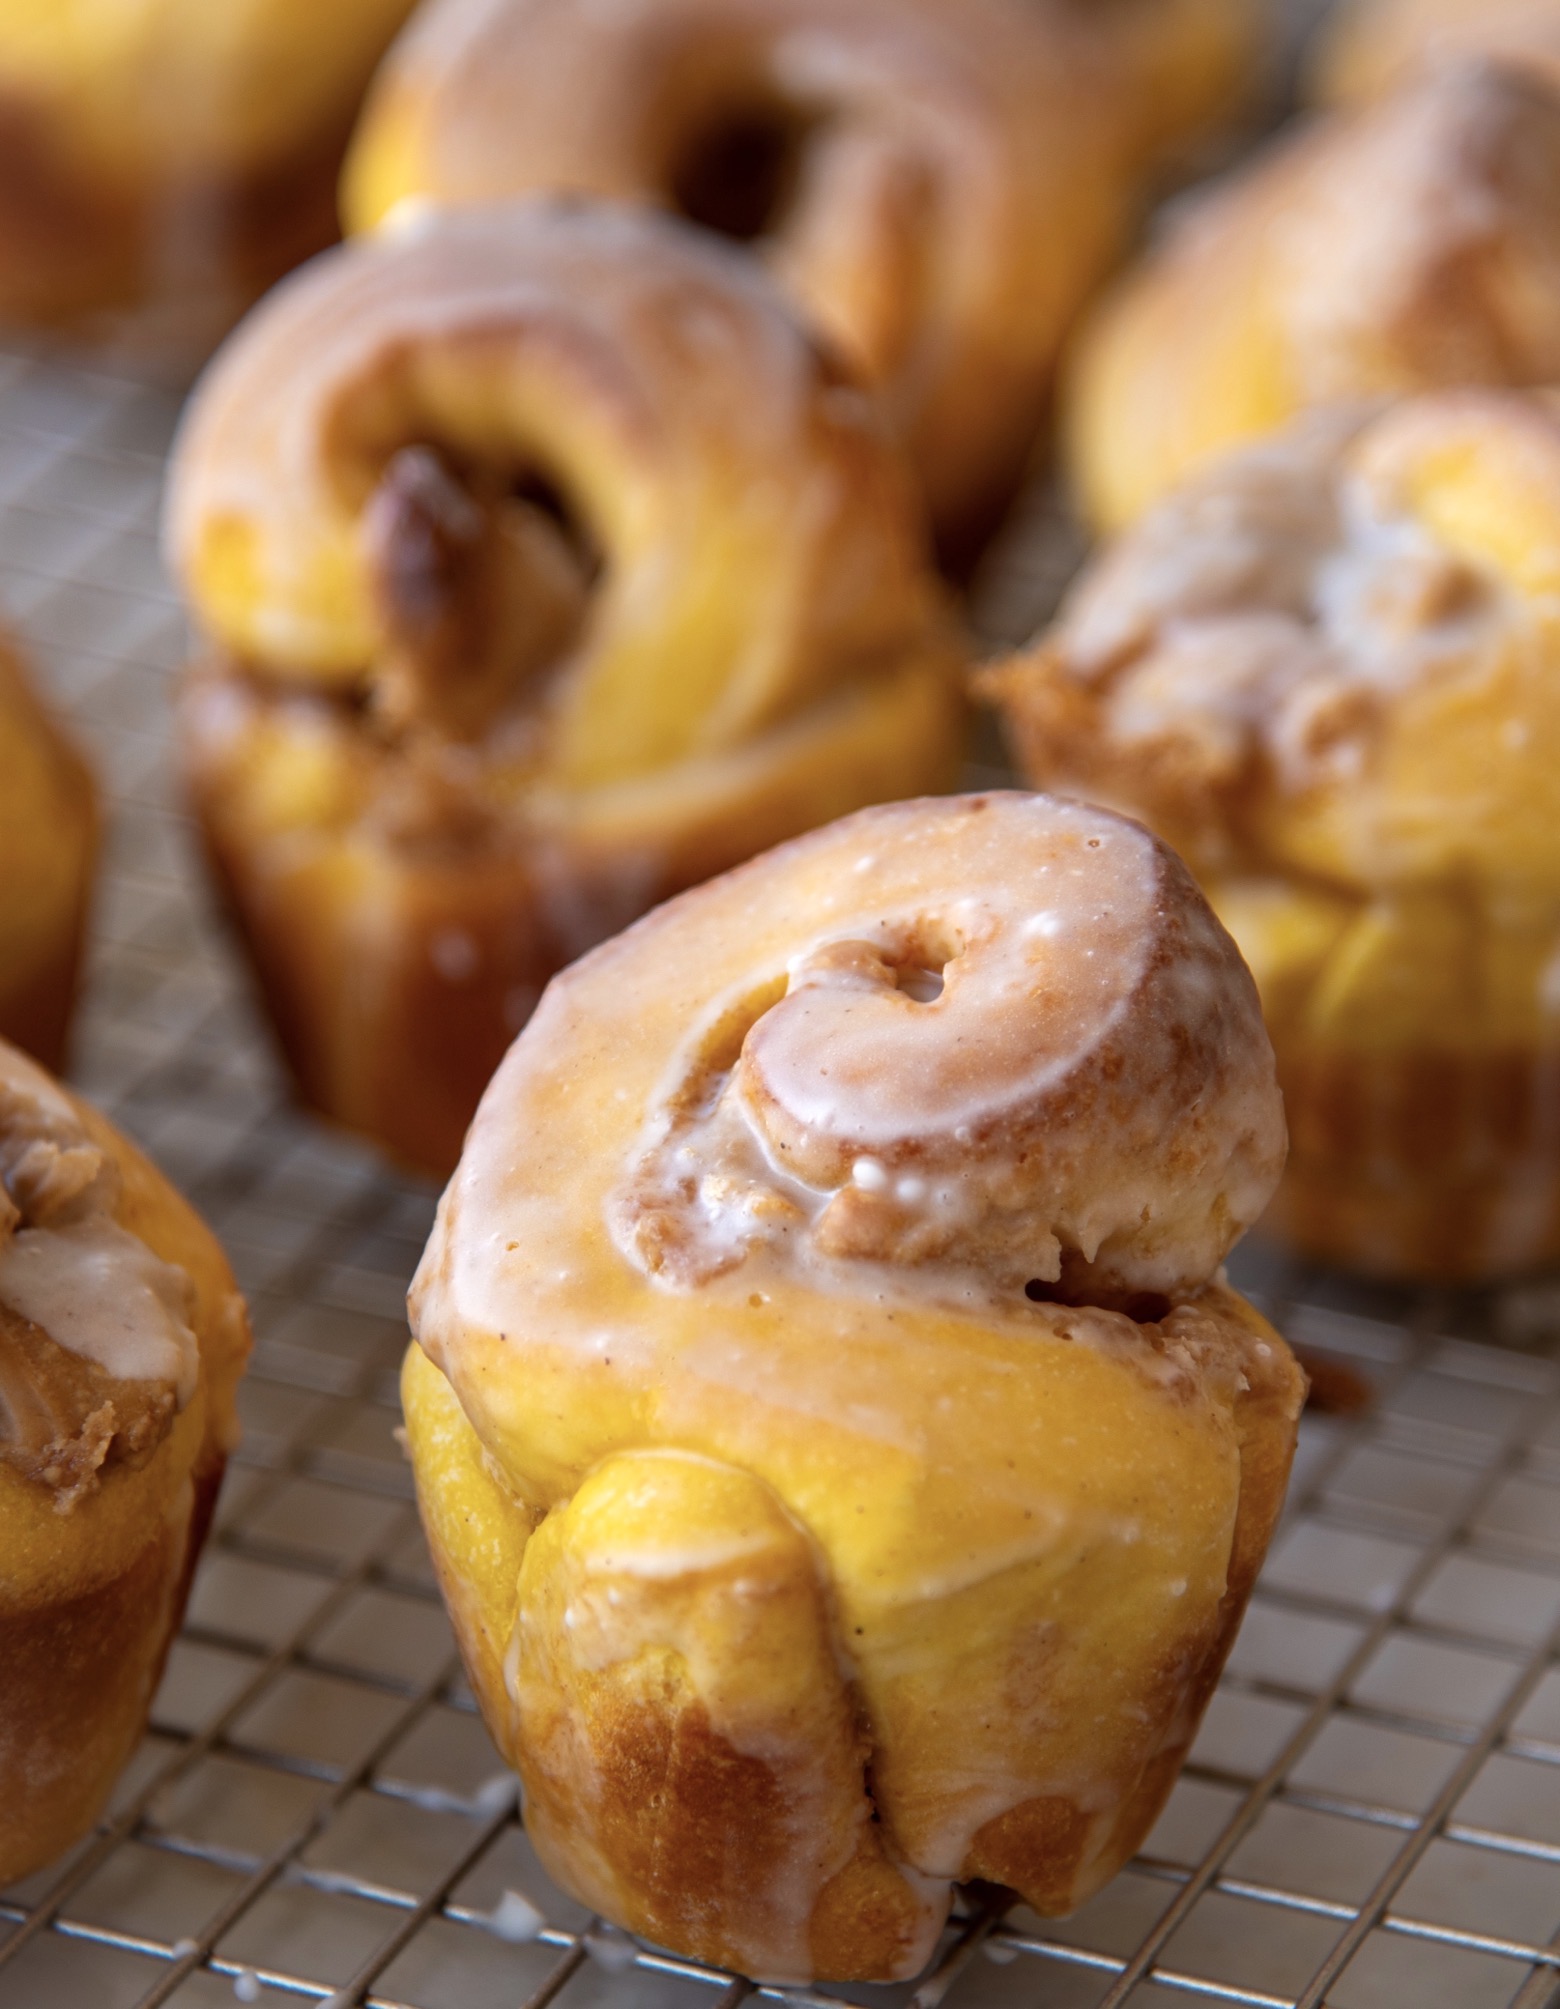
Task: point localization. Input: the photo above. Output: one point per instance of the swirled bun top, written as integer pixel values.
(937, 183)
(1400, 246)
(922, 1067)
(346, 505)
(1335, 653)
(1372, 46)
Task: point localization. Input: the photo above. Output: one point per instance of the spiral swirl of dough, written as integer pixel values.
(809, 1550)
(1055, 1076)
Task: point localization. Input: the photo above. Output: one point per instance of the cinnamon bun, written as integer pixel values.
(544, 567)
(844, 1461)
(1327, 671)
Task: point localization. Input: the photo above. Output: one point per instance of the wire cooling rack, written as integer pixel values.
(1371, 1817)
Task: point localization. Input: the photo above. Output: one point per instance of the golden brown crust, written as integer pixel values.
(81, 1671)
(824, 1573)
(1438, 1167)
(502, 656)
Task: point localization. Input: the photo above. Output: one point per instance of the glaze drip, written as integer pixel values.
(96, 1350)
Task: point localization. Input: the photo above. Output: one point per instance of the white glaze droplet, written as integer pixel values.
(515, 1919)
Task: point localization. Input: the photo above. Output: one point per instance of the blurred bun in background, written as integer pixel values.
(48, 848)
(1180, 69)
(1328, 671)
(162, 162)
(939, 184)
(1409, 243)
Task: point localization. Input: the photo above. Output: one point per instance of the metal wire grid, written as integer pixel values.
(1372, 1814)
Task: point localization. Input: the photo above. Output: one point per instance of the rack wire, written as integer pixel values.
(1371, 1816)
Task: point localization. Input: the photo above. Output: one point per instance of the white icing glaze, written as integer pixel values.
(101, 1293)
(1273, 612)
(1087, 1054)
(65, 1262)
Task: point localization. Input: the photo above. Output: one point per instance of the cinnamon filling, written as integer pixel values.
(478, 593)
(63, 1419)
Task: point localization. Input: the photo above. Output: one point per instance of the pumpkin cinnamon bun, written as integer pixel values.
(844, 1461)
(544, 566)
(1327, 671)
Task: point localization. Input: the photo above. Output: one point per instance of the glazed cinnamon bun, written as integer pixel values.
(844, 1461)
(1327, 671)
(544, 566)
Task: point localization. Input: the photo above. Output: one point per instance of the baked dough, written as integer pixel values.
(122, 1337)
(544, 567)
(48, 847)
(938, 183)
(843, 1460)
(1327, 671)
(1400, 246)
(171, 156)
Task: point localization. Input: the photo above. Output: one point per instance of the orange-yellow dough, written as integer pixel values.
(1372, 46)
(938, 183)
(544, 567)
(173, 156)
(48, 846)
(843, 1461)
(122, 1337)
(1402, 245)
(1328, 671)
